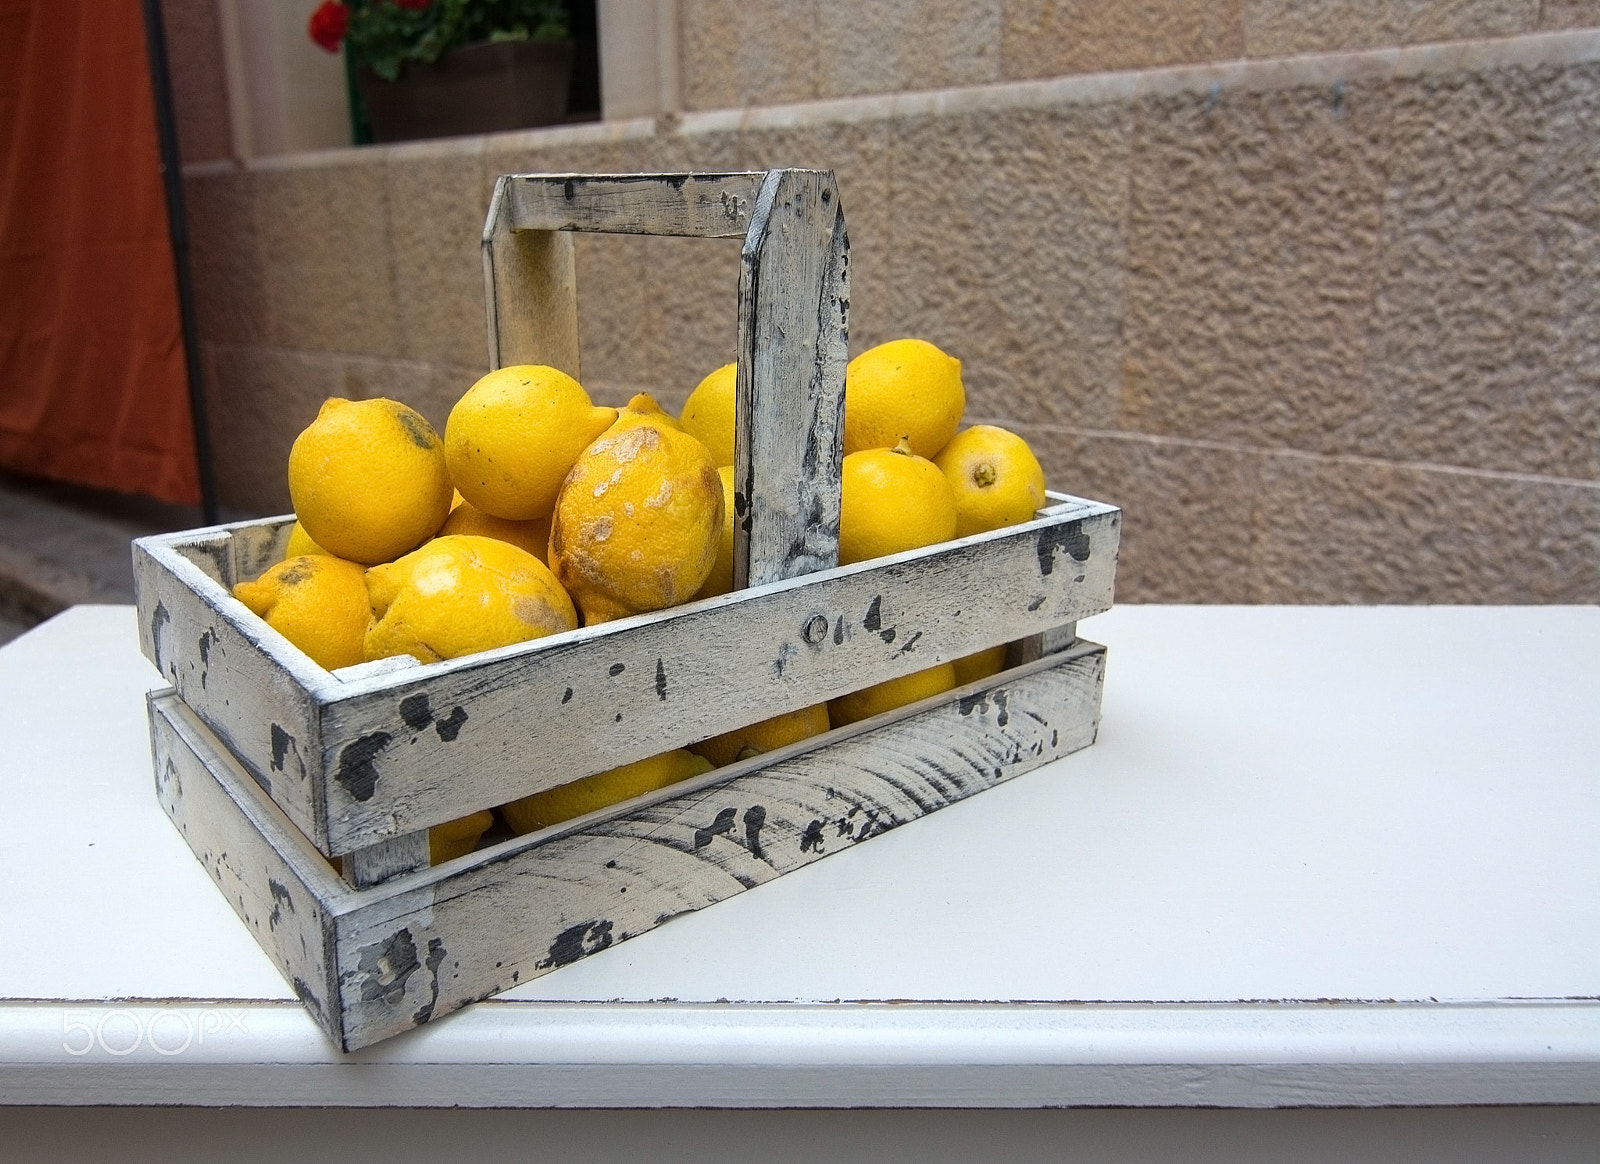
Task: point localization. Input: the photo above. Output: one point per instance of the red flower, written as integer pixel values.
(414, 5)
(328, 24)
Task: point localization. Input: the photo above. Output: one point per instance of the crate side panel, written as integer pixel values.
(268, 892)
(439, 743)
(214, 652)
(424, 951)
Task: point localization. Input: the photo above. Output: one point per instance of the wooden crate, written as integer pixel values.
(270, 765)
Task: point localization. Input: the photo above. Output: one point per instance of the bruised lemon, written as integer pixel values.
(892, 693)
(554, 805)
(457, 838)
(906, 389)
(317, 602)
(720, 580)
(637, 522)
(892, 500)
(708, 413)
(467, 518)
(513, 436)
(368, 479)
(462, 594)
(766, 736)
(994, 476)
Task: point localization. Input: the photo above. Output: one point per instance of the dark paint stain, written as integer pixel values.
(1070, 538)
(302, 988)
(838, 632)
(874, 619)
(1038, 602)
(357, 773)
(811, 839)
(567, 698)
(415, 711)
(721, 826)
(387, 966)
(970, 703)
(611, 864)
(280, 898)
(888, 635)
(569, 190)
(754, 817)
(206, 639)
(575, 942)
(910, 643)
(617, 669)
(661, 678)
(436, 956)
(450, 727)
(160, 618)
(1055, 738)
(1005, 716)
(282, 741)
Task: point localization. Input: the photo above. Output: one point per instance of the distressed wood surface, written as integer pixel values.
(691, 205)
(531, 287)
(794, 312)
(423, 944)
(355, 762)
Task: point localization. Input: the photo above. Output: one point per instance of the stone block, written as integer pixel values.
(226, 259)
(1253, 228)
(1343, 531)
(1006, 248)
(1486, 319)
(1280, 28)
(324, 234)
(1049, 38)
(1555, 14)
(894, 46)
(734, 53)
(1187, 509)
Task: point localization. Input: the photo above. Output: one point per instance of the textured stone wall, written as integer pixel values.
(1327, 328)
(766, 52)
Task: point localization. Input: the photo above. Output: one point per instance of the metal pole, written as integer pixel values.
(172, 177)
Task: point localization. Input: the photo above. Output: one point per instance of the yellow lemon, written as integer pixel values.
(892, 500)
(720, 580)
(708, 413)
(456, 838)
(368, 479)
(906, 389)
(317, 602)
(766, 736)
(554, 805)
(643, 409)
(637, 522)
(980, 665)
(533, 536)
(300, 543)
(892, 693)
(513, 436)
(996, 478)
(461, 594)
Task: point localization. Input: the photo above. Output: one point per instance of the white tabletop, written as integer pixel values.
(1318, 855)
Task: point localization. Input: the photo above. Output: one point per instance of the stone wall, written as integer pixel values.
(1326, 327)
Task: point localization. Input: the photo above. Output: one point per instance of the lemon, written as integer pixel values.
(461, 594)
(892, 500)
(765, 736)
(892, 693)
(300, 543)
(643, 409)
(456, 838)
(720, 580)
(317, 602)
(637, 522)
(996, 478)
(554, 805)
(905, 389)
(513, 436)
(533, 536)
(708, 413)
(368, 479)
(980, 665)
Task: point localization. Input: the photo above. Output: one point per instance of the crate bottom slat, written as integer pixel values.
(374, 962)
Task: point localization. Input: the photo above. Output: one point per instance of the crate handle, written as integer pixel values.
(794, 308)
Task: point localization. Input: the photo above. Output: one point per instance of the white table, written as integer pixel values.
(1341, 857)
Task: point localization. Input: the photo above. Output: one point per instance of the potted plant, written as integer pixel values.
(437, 68)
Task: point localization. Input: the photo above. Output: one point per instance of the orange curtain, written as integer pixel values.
(93, 387)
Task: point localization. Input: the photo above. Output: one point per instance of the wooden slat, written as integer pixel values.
(530, 288)
(685, 204)
(406, 853)
(794, 305)
(421, 945)
(428, 745)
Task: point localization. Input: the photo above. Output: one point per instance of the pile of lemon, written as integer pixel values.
(538, 511)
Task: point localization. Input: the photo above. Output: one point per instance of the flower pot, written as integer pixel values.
(478, 88)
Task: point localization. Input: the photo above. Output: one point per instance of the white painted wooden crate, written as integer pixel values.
(269, 764)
